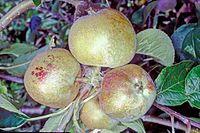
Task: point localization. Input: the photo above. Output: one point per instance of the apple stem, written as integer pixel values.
(93, 94)
(83, 80)
(177, 115)
(11, 78)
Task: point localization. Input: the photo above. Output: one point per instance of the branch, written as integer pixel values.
(171, 112)
(164, 122)
(21, 8)
(14, 12)
(36, 110)
(11, 78)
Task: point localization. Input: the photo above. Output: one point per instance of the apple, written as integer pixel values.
(127, 93)
(93, 116)
(50, 78)
(104, 39)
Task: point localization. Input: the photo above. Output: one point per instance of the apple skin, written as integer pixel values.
(127, 93)
(104, 39)
(50, 78)
(93, 116)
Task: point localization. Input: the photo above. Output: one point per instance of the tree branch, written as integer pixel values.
(21, 8)
(171, 112)
(11, 78)
(14, 12)
(164, 122)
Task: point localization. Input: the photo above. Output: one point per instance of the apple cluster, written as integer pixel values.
(102, 39)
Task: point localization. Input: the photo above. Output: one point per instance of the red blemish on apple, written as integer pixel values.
(40, 73)
(50, 66)
(36, 74)
(32, 72)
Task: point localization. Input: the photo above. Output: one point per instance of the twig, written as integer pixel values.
(184, 119)
(172, 122)
(11, 78)
(14, 12)
(52, 114)
(21, 8)
(161, 121)
(36, 110)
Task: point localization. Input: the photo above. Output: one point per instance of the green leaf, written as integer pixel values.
(24, 60)
(192, 87)
(3, 44)
(179, 36)
(16, 86)
(157, 44)
(10, 121)
(170, 84)
(5, 104)
(18, 49)
(136, 126)
(117, 129)
(49, 23)
(3, 87)
(53, 124)
(191, 45)
(140, 16)
(37, 2)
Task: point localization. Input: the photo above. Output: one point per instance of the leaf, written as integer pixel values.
(192, 87)
(18, 49)
(3, 44)
(117, 129)
(136, 125)
(191, 45)
(24, 60)
(3, 87)
(16, 86)
(5, 104)
(37, 2)
(179, 36)
(53, 124)
(49, 23)
(157, 44)
(10, 121)
(170, 84)
(140, 16)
